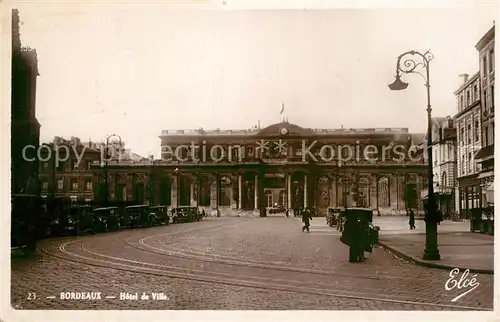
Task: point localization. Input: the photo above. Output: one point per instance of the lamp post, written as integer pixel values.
(407, 63)
(106, 189)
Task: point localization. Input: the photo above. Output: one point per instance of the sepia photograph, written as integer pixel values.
(203, 157)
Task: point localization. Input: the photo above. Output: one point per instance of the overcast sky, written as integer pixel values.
(136, 72)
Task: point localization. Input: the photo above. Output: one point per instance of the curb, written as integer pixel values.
(429, 264)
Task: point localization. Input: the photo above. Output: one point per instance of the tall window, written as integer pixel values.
(461, 102)
(88, 185)
(476, 131)
(476, 94)
(60, 184)
(444, 182)
(469, 134)
(462, 136)
(492, 60)
(484, 99)
(463, 164)
(467, 103)
(470, 162)
(486, 141)
(45, 185)
(485, 66)
(492, 107)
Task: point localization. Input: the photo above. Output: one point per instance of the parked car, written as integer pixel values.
(80, 219)
(138, 215)
(333, 216)
(106, 219)
(185, 214)
(161, 213)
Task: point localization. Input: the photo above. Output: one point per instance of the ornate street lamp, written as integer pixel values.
(106, 189)
(407, 63)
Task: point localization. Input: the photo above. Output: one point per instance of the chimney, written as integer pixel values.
(465, 77)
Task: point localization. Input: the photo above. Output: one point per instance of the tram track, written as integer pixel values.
(253, 282)
(94, 258)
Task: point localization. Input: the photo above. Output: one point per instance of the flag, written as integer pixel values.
(282, 108)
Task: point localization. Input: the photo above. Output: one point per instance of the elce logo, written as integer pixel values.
(463, 283)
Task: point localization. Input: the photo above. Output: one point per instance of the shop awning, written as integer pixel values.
(486, 153)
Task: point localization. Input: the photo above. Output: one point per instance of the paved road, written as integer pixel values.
(232, 263)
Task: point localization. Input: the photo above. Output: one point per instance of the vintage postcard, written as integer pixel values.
(168, 158)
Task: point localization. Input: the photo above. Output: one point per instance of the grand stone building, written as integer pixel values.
(283, 165)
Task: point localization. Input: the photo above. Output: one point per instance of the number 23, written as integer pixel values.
(31, 296)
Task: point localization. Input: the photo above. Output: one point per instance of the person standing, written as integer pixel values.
(412, 220)
(306, 217)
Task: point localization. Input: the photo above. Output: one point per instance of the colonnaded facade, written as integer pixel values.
(283, 165)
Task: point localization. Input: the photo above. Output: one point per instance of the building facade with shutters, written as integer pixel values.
(485, 158)
(469, 138)
(444, 154)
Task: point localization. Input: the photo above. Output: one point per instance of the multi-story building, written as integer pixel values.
(76, 170)
(282, 165)
(486, 157)
(444, 147)
(65, 169)
(469, 137)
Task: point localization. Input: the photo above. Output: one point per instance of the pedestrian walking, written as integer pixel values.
(412, 220)
(306, 217)
(287, 212)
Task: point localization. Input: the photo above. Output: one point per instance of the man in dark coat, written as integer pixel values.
(306, 216)
(412, 220)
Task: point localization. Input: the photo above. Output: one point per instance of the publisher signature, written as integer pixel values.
(468, 284)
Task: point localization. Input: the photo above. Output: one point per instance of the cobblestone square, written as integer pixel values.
(231, 263)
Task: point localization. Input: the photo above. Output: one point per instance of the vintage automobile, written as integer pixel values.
(106, 219)
(80, 219)
(333, 216)
(276, 210)
(184, 214)
(161, 213)
(139, 216)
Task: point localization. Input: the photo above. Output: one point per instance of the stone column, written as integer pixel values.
(373, 192)
(233, 203)
(393, 192)
(213, 194)
(256, 195)
(240, 189)
(305, 190)
(175, 192)
(333, 192)
(192, 200)
(289, 191)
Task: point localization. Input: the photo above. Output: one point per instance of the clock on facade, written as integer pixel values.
(284, 131)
